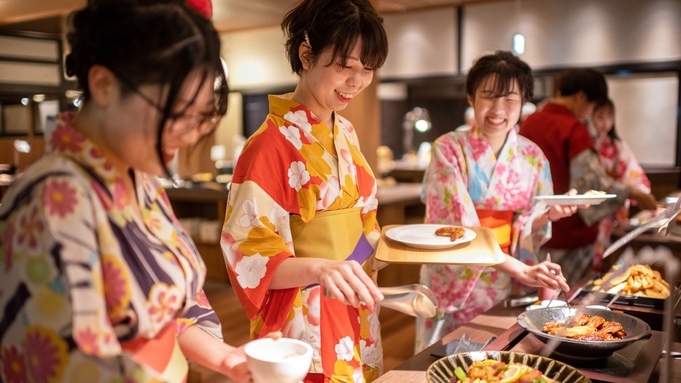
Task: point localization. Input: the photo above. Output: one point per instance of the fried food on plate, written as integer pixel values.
(637, 280)
(595, 193)
(453, 232)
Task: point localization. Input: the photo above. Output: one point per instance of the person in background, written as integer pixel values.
(619, 162)
(469, 120)
(559, 130)
(99, 283)
(487, 177)
(301, 228)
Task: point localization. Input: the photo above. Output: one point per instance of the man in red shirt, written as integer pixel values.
(560, 132)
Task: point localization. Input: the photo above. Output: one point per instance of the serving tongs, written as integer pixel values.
(414, 300)
(669, 214)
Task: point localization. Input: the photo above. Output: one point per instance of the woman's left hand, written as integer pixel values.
(545, 274)
(561, 211)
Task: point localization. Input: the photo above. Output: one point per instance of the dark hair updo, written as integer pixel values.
(506, 67)
(336, 24)
(146, 42)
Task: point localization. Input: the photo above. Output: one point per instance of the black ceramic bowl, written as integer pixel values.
(534, 320)
(442, 370)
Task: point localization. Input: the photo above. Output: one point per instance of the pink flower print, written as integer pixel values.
(608, 150)
(347, 156)
(250, 216)
(87, 341)
(8, 243)
(183, 324)
(60, 199)
(120, 196)
(232, 253)
(202, 300)
(479, 146)
(45, 355)
(65, 138)
(13, 365)
(30, 227)
(116, 290)
(164, 301)
(328, 192)
(102, 194)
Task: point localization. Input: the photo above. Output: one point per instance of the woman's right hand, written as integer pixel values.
(646, 201)
(347, 282)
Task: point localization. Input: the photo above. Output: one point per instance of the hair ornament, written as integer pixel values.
(307, 40)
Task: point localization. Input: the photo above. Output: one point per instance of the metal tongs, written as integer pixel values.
(669, 214)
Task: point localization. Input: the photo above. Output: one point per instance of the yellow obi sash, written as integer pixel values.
(501, 223)
(161, 353)
(335, 235)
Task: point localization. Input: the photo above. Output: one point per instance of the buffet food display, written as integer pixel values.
(586, 327)
(636, 280)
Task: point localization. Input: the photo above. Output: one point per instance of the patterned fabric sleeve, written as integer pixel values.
(587, 174)
(201, 314)
(632, 173)
(52, 273)
(256, 236)
(529, 240)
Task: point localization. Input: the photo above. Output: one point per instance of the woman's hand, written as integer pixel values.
(646, 201)
(234, 363)
(545, 274)
(561, 211)
(347, 282)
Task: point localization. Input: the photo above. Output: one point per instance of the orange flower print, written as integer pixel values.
(164, 301)
(87, 341)
(30, 227)
(66, 139)
(117, 288)
(45, 355)
(13, 365)
(60, 199)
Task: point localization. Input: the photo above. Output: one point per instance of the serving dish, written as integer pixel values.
(534, 320)
(422, 236)
(579, 199)
(442, 370)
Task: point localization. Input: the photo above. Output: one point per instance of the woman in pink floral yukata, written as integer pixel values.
(487, 177)
(98, 280)
(619, 162)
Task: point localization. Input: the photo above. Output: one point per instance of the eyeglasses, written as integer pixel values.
(181, 123)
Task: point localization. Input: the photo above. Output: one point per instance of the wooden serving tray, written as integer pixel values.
(483, 250)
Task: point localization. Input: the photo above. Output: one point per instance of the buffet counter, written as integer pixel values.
(501, 322)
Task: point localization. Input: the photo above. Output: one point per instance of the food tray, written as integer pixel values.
(483, 250)
(624, 300)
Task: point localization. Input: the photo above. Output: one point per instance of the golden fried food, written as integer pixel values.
(595, 193)
(637, 280)
(586, 327)
(453, 232)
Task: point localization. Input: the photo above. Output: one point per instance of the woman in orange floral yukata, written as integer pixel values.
(98, 280)
(301, 221)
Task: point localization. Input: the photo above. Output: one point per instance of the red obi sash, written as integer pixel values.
(501, 223)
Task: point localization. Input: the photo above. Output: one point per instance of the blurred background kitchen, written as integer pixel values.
(416, 97)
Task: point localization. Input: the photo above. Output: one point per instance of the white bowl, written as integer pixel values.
(542, 304)
(283, 360)
(597, 307)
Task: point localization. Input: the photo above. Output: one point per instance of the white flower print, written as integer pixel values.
(370, 354)
(300, 119)
(298, 176)
(280, 218)
(313, 338)
(357, 375)
(345, 349)
(250, 216)
(371, 204)
(292, 134)
(374, 327)
(250, 270)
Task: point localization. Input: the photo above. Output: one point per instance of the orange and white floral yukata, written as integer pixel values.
(89, 291)
(301, 188)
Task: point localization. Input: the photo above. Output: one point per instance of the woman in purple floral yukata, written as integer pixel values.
(487, 177)
(98, 280)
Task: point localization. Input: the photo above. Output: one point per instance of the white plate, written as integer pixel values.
(422, 236)
(579, 199)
